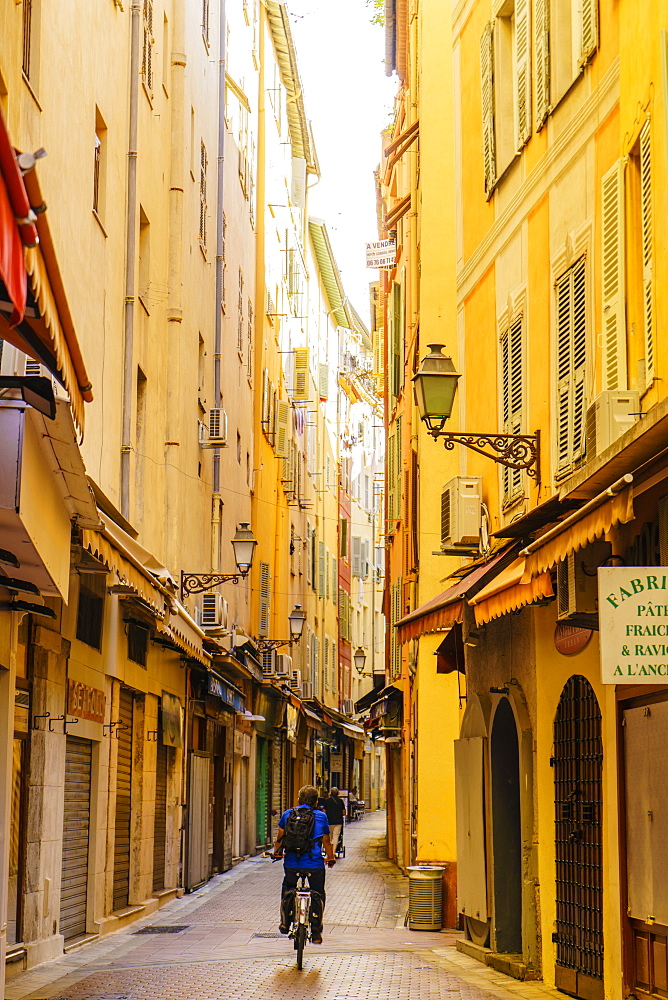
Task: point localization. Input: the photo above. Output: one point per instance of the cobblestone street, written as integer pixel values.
(222, 942)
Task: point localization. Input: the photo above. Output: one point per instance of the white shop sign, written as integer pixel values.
(381, 254)
(633, 624)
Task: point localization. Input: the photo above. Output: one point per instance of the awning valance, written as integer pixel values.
(443, 611)
(506, 593)
(595, 519)
(102, 549)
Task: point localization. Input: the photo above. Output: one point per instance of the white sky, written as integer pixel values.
(348, 100)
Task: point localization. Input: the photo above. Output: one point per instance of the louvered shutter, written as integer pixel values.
(342, 612)
(282, 417)
(356, 555)
(542, 48)
(487, 75)
(613, 324)
(589, 29)
(512, 397)
(343, 551)
(301, 373)
(391, 474)
(323, 382)
(398, 460)
(647, 247)
(571, 365)
(579, 358)
(321, 569)
(265, 599)
(335, 576)
(564, 373)
(265, 399)
(523, 71)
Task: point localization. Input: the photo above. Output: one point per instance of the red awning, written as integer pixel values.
(16, 228)
(443, 611)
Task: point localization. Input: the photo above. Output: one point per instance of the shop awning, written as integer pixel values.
(34, 312)
(506, 592)
(228, 693)
(595, 519)
(443, 611)
(185, 633)
(107, 549)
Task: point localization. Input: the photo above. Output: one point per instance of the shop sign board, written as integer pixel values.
(85, 702)
(381, 254)
(336, 762)
(172, 733)
(633, 624)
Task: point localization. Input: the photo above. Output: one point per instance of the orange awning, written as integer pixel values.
(506, 592)
(576, 532)
(443, 611)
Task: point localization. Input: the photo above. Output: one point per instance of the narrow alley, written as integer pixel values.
(223, 941)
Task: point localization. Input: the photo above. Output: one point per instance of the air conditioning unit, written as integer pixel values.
(577, 585)
(214, 611)
(268, 662)
(283, 665)
(217, 430)
(348, 706)
(307, 690)
(33, 367)
(610, 415)
(295, 680)
(461, 512)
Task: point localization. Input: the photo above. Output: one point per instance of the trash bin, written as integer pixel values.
(425, 898)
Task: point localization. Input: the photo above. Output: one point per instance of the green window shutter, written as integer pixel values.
(487, 83)
(398, 470)
(335, 577)
(512, 399)
(391, 479)
(542, 49)
(343, 551)
(589, 33)
(523, 71)
(265, 599)
(647, 247)
(397, 337)
(613, 323)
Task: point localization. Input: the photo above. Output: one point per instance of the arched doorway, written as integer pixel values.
(578, 770)
(506, 831)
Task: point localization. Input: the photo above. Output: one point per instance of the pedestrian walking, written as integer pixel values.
(303, 831)
(335, 810)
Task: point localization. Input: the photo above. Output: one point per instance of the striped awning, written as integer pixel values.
(506, 592)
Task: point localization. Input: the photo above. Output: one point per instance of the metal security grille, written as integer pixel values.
(160, 815)
(578, 765)
(76, 822)
(123, 802)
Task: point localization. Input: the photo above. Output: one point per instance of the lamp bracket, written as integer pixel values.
(273, 643)
(516, 451)
(195, 583)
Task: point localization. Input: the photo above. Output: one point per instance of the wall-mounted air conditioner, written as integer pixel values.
(348, 706)
(307, 690)
(215, 436)
(577, 584)
(268, 662)
(295, 680)
(214, 611)
(461, 512)
(610, 415)
(283, 665)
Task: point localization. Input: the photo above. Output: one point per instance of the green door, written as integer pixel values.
(261, 793)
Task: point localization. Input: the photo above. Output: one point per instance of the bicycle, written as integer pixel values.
(300, 928)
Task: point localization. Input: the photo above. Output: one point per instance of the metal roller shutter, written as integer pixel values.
(76, 823)
(123, 802)
(160, 816)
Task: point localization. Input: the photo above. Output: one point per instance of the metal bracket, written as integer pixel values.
(118, 726)
(47, 715)
(196, 583)
(515, 451)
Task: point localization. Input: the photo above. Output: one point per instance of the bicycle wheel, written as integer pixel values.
(300, 941)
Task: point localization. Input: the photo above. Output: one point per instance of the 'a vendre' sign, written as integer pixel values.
(633, 624)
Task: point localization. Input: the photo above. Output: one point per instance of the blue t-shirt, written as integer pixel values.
(312, 858)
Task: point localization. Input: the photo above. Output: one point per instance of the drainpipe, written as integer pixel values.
(175, 280)
(130, 255)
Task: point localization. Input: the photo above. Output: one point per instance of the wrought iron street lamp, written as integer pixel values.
(243, 544)
(296, 618)
(359, 659)
(435, 385)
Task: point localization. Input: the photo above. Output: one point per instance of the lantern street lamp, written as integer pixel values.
(359, 659)
(296, 618)
(435, 385)
(243, 544)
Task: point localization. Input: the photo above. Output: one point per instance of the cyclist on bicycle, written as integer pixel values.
(310, 862)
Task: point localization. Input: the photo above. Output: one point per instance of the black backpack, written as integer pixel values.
(298, 833)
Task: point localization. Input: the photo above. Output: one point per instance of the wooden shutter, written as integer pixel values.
(647, 247)
(356, 555)
(512, 399)
(564, 372)
(265, 399)
(321, 569)
(343, 551)
(265, 599)
(523, 72)
(342, 612)
(579, 358)
(391, 479)
(571, 365)
(301, 373)
(398, 463)
(613, 325)
(542, 44)
(282, 417)
(323, 382)
(487, 75)
(589, 29)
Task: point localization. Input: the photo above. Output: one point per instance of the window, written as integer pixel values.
(566, 37)
(147, 49)
(512, 401)
(99, 165)
(206, 17)
(240, 314)
(144, 258)
(203, 168)
(91, 609)
(249, 338)
(137, 642)
(642, 162)
(343, 550)
(265, 599)
(505, 62)
(613, 319)
(571, 365)
(28, 30)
